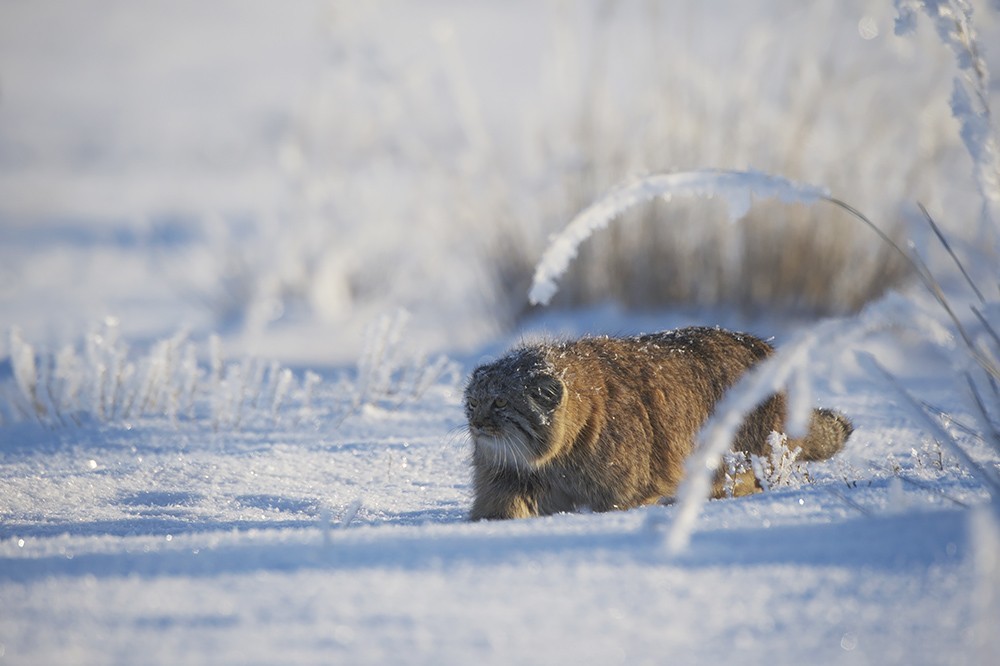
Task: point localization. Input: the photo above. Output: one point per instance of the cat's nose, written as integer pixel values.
(480, 422)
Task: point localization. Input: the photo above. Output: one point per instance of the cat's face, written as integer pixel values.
(509, 404)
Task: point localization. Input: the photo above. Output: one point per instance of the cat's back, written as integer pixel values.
(685, 358)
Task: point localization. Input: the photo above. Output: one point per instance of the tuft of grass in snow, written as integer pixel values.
(108, 382)
(780, 469)
(780, 258)
(389, 371)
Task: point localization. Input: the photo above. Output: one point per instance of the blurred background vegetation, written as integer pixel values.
(296, 171)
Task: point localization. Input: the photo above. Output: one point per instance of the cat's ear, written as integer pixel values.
(548, 393)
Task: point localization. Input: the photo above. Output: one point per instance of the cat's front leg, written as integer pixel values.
(498, 499)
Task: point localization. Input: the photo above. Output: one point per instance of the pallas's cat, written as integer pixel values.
(606, 423)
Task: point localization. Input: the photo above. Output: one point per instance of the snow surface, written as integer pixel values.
(337, 534)
(169, 494)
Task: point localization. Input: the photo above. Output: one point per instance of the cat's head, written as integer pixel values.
(509, 404)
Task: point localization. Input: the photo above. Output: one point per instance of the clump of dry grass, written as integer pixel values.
(792, 258)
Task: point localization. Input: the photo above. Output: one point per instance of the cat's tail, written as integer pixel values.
(828, 430)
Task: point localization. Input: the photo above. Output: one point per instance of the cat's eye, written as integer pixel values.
(500, 402)
(472, 403)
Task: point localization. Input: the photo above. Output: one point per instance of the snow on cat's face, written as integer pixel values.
(509, 405)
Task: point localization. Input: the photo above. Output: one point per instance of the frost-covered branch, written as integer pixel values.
(737, 188)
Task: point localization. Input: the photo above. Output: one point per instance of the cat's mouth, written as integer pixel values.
(485, 432)
(491, 437)
(506, 449)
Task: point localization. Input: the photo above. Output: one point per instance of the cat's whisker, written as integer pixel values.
(518, 453)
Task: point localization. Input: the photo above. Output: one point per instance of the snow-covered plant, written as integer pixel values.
(737, 472)
(390, 370)
(781, 468)
(106, 381)
(309, 384)
(281, 388)
(970, 101)
(25, 374)
(109, 382)
(979, 360)
(251, 389)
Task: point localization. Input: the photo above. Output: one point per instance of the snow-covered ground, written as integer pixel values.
(333, 531)
(320, 538)
(222, 440)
